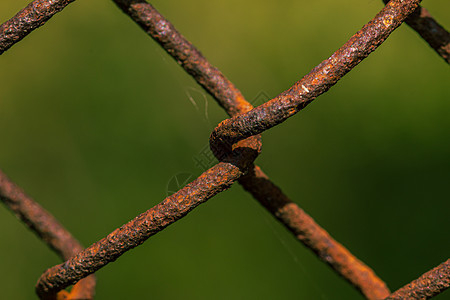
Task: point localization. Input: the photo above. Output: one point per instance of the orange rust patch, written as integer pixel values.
(387, 20)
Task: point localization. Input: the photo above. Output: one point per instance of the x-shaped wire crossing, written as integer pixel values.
(236, 142)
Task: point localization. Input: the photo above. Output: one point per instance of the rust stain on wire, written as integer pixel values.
(318, 81)
(236, 142)
(209, 77)
(258, 184)
(206, 186)
(213, 181)
(307, 231)
(28, 19)
(48, 229)
(430, 284)
(430, 30)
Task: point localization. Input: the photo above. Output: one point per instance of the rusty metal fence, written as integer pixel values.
(236, 142)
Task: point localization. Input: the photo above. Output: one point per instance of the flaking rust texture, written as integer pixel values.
(165, 34)
(28, 19)
(431, 31)
(261, 188)
(213, 181)
(189, 57)
(48, 229)
(437, 37)
(307, 231)
(426, 286)
(318, 81)
(235, 142)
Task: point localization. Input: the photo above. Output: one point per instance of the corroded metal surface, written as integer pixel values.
(235, 142)
(28, 19)
(213, 181)
(47, 228)
(223, 174)
(430, 30)
(307, 231)
(258, 184)
(162, 31)
(318, 81)
(428, 285)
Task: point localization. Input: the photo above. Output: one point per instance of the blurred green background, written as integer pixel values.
(95, 120)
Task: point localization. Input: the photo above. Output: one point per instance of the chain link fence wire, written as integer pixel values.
(236, 143)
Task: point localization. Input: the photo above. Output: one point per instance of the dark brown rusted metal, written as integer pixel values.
(213, 181)
(430, 30)
(164, 214)
(47, 228)
(339, 258)
(28, 19)
(307, 231)
(428, 285)
(209, 77)
(235, 142)
(318, 81)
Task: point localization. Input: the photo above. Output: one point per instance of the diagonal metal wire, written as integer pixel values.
(430, 30)
(313, 236)
(239, 155)
(213, 181)
(430, 284)
(235, 142)
(189, 57)
(47, 228)
(36, 14)
(317, 82)
(255, 182)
